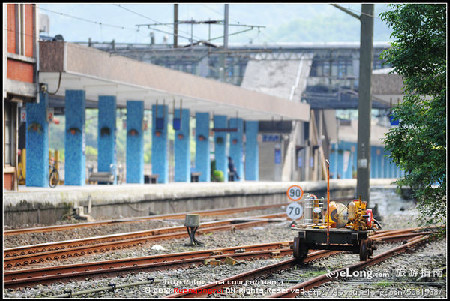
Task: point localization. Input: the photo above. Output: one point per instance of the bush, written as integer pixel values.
(217, 176)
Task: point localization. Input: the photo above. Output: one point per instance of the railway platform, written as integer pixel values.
(46, 206)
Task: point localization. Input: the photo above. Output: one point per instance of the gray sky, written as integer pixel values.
(283, 22)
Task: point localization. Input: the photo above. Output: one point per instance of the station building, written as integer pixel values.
(273, 110)
(20, 82)
(323, 75)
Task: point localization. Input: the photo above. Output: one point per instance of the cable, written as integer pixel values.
(136, 13)
(85, 20)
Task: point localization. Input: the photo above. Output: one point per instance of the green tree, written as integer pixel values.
(418, 144)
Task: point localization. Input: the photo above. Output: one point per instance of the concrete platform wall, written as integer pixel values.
(34, 206)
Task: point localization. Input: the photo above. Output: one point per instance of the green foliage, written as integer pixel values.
(217, 176)
(91, 151)
(418, 144)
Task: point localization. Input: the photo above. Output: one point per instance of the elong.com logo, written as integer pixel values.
(345, 273)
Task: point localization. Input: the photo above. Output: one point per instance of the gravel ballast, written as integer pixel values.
(420, 274)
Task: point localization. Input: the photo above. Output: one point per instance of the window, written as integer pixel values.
(8, 129)
(20, 29)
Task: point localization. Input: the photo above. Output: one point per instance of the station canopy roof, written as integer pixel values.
(64, 66)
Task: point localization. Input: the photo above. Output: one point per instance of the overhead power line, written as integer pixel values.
(85, 20)
(146, 17)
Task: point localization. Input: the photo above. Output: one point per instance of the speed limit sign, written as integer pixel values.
(294, 193)
(294, 211)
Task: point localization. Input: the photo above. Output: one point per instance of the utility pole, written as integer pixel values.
(365, 98)
(225, 43)
(365, 102)
(175, 28)
(225, 27)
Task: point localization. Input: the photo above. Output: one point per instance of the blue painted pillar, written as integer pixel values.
(333, 161)
(74, 142)
(355, 159)
(182, 146)
(379, 160)
(348, 171)
(393, 168)
(106, 133)
(36, 143)
(220, 145)
(160, 158)
(135, 142)
(251, 151)
(236, 150)
(386, 165)
(340, 164)
(202, 159)
(389, 167)
(373, 162)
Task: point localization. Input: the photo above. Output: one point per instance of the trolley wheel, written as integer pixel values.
(299, 249)
(370, 247)
(363, 250)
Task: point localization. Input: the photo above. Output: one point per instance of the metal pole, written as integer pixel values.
(175, 28)
(192, 31)
(365, 102)
(225, 43)
(225, 27)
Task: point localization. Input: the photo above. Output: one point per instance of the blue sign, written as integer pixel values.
(277, 156)
(270, 138)
(393, 120)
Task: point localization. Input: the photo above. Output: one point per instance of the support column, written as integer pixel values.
(340, 164)
(36, 143)
(348, 171)
(236, 146)
(373, 162)
(135, 142)
(74, 142)
(220, 145)
(386, 165)
(333, 161)
(251, 151)
(160, 158)
(106, 133)
(202, 159)
(182, 147)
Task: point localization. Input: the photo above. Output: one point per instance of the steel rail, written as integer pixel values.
(25, 255)
(230, 281)
(296, 290)
(200, 291)
(20, 278)
(80, 247)
(140, 219)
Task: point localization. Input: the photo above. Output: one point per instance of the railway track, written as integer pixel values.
(25, 255)
(22, 278)
(293, 291)
(298, 289)
(214, 212)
